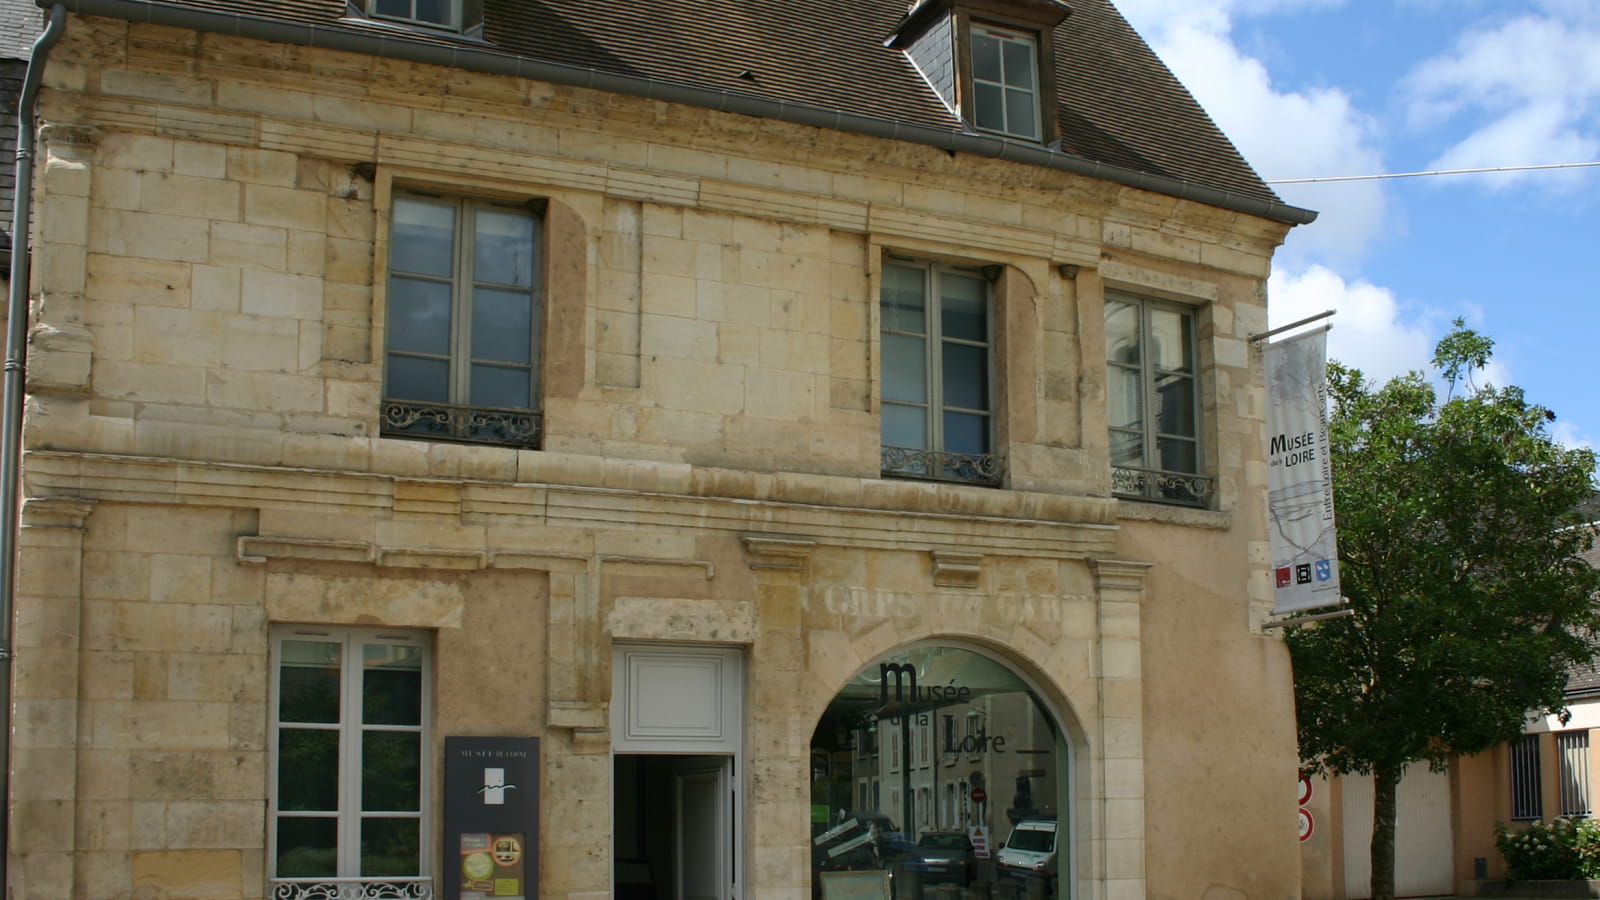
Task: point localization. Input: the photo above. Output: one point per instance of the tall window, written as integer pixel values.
(1154, 402)
(1526, 802)
(937, 420)
(349, 762)
(1572, 750)
(1005, 81)
(465, 321)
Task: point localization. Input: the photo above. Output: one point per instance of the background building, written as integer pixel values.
(478, 447)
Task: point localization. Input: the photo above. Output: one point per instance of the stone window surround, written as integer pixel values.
(1201, 484)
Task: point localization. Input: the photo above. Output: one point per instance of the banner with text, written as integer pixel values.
(1305, 552)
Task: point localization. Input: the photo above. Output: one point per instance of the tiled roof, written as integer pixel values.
(1119, 105)
(20, 23)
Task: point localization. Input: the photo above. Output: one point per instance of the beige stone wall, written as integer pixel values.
(203, 461)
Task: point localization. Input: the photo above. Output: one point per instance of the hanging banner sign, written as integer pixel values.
(1305, 553)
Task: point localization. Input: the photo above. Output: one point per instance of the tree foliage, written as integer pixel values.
(1459, 545)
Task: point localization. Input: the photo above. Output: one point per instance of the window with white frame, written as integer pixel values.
(1526, 799)
(937, 406)
(1153, 394)
(465, 321)
(349, 749)
(1005, 81)
(1572, 751)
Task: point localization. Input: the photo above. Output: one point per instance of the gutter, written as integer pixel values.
(396, 44)
(15, 365)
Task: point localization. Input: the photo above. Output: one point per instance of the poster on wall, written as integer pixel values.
(491, 817)
(1305, 551)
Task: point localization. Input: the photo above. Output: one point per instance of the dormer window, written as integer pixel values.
(461, 17)
(434, 13)
(1005, 82)
(992, 62)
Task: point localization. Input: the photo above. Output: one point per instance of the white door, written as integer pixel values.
(703, 807)
(1424, 859)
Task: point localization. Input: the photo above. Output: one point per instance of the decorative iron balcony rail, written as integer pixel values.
(352, 889)
(937, 465)
(482, 425)
(1178, 488)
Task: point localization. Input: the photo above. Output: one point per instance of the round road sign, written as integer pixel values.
(1307, 825)
(1305, 789)
(979, 795)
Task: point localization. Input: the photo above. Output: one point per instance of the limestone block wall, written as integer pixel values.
(203, 461)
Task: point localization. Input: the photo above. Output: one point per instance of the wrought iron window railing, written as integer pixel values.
(1178, 488)
(416, 888)
(985, 469)
(482, 425)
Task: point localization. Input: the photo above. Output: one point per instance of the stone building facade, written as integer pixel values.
(282, 565)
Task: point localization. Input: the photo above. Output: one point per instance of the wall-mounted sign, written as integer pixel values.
(1307, 825)
(491, 818)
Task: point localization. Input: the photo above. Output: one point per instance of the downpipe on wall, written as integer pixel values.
(15, 369)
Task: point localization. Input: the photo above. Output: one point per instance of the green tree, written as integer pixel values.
(1458, 552)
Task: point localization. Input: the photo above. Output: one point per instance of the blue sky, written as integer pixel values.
(1316, 88)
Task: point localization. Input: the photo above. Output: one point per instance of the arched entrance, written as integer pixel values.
(939, 766)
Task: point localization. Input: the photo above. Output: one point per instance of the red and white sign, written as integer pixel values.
(979, 795)
(979, 836)
(1305, 789)
(1307, 825)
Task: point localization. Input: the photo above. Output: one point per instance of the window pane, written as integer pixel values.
(989, 106)
(905, 426)
(966, 433)
(307, 847)
(1178, 455)
(903, 304)
(1175, 405)
(422, 380)
(308, 682)
(503, 247)
(390, 847)
(1122, 332)
(1170, 340)
(397, 8)
(966, 377)
(963, 310)
(391, 767)
(1018, 60)
(501, 387)
(419, 315)
(308, 770)
(1127, 449)
(1022, 114)
(424, 231)
(391, 685)
(905, 368)
(435, 11)
(502, 325)
(1123, 393)
(985, 57)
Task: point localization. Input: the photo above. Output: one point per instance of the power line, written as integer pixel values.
(1577, 165)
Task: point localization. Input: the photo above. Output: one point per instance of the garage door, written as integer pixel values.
(1423, 859)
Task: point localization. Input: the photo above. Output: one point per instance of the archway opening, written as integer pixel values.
(939, 767)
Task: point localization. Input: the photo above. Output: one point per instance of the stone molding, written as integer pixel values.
(953, 568)
(778, 553)
(56, 512)
(1024, 532)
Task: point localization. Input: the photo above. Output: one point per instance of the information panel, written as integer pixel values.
(491, 818)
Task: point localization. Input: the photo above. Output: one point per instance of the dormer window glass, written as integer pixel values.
(1005, 83)
(432, 13)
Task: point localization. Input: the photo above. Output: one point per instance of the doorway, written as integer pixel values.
(674, 827)
(677, 738)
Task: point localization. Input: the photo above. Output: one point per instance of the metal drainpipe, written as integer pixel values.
(11, 438)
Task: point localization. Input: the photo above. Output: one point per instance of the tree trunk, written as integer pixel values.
(1385, 788)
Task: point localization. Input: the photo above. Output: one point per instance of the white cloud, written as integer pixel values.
(1568, 435)
(1372, 331)
(1527, 91)
(1282, 134)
